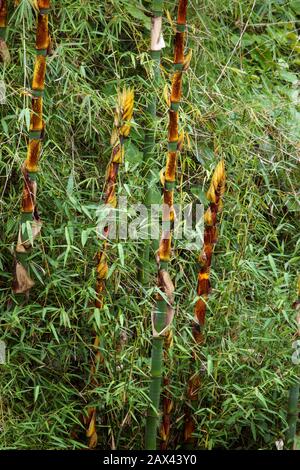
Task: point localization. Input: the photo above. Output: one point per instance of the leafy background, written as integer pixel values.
(241, 100)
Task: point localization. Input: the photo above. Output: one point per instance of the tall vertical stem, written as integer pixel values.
(22, 282)
(163, 314)
(152, 194)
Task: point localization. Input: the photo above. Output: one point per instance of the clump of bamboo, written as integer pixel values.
(151, 190)
(293, 403)
(29, 214)
(4, 52)
(214, 195)
(121, 130)
(163, 314)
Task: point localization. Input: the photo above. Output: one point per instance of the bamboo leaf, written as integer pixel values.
(138, 14)
(210, 365)
(29, 232)
(52, 328)
(121, 254)
(273, 265)
(97, 317)
(70, 185)
(36, 393)
(84, 236)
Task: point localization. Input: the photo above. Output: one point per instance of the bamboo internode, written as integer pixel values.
(152, 194)
(29, 213)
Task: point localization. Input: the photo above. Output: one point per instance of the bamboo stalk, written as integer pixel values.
(4, 52)
(121, 130)
(214, 195)
(163, 314)
(293, 402)
(152, 194)
(22, 281)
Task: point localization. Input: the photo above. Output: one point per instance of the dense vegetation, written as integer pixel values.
(241, 103)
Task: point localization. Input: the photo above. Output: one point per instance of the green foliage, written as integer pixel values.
(241, 98)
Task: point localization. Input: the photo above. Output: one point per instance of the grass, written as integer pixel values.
(241, 101)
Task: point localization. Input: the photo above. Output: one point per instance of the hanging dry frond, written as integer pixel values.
(124, 112)
(187, 60)
(22, 281)
(217, 185)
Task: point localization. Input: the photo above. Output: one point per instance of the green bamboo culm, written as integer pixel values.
(293, 402)
(31, 224)
(152, 194)
(164, 312)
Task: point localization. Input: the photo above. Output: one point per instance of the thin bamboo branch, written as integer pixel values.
(214, 195)
(121, 130)
(22, 281)
(163, 314)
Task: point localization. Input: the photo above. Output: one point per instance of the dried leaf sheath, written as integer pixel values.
(23, 283)
(163, 314)
(4, 52)
(214, 195)
(122, 125)
(3, 15)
